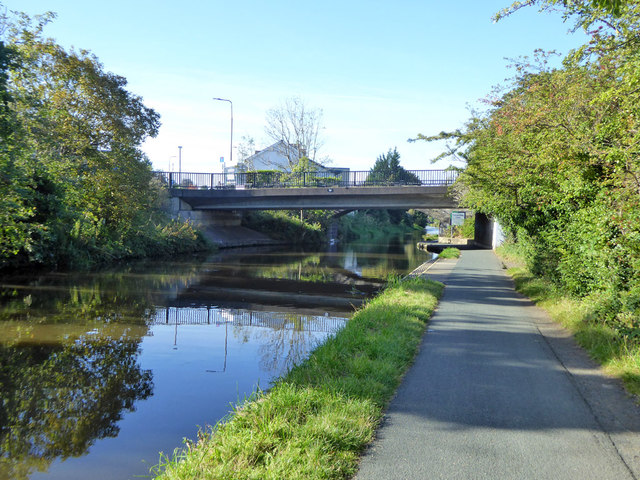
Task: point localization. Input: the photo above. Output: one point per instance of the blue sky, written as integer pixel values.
(381, 72)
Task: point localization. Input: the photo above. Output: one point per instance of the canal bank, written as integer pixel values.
(317, 419)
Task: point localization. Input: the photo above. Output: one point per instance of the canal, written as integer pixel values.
(101, 371)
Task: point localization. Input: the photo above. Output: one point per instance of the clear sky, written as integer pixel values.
(381, 71)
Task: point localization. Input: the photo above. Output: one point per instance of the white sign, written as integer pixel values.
(457, 219)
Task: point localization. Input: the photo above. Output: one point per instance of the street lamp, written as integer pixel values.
(231, 146)
(180, 159)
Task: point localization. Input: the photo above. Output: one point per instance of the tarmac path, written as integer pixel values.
(498, 391)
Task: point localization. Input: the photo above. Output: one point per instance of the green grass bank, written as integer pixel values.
(617, 349)
(450, 252)
(316, 420)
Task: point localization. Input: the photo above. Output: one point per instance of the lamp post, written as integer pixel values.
(180, 159)
(170, 171)
(231, 145)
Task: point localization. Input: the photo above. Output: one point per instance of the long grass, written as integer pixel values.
(315, 421)
(620, 356)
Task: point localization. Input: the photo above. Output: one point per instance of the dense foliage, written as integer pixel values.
(75, 188)
(555, 159)
(375, 224)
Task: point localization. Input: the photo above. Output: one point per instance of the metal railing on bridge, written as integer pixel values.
(273, 179)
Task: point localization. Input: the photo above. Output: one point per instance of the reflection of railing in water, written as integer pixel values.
(246, 318)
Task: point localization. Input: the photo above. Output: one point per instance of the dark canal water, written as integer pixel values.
(101, 371)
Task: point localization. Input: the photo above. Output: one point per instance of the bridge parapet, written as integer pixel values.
(327, 179)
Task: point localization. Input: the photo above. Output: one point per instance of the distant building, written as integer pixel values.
(276, 157)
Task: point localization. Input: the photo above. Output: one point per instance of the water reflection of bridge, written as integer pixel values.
(237, 288)
(246, 318)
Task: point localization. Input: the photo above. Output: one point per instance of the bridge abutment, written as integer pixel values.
(483, 231)
(220, 227)
(205, 218)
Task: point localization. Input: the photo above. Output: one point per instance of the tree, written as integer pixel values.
(246, 149)
(82, 125)
(15, 194)
(556, 158)
(297, 127)
(586, 11)
(387, 170)
(74, 182)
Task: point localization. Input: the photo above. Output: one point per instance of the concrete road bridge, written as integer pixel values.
(218, 199)
(344, 190)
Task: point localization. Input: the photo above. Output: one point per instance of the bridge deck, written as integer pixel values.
(311, 190)
(324, 179)
(317, 198)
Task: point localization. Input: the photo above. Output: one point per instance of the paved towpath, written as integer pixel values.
(500, 392)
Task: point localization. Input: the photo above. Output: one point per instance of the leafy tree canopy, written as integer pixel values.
(555, 156)
(74, 183)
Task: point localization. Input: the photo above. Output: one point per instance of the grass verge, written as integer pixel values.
(450, 252)
(619, 355)
(316, 420)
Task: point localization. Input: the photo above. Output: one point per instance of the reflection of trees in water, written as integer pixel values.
(396, 254)
(69, 346)
(69, 363)
(109, 295)
(311, 268)
(393, 255)
(57, 400)
(287, 346)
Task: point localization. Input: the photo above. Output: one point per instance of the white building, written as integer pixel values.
(274, 157)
